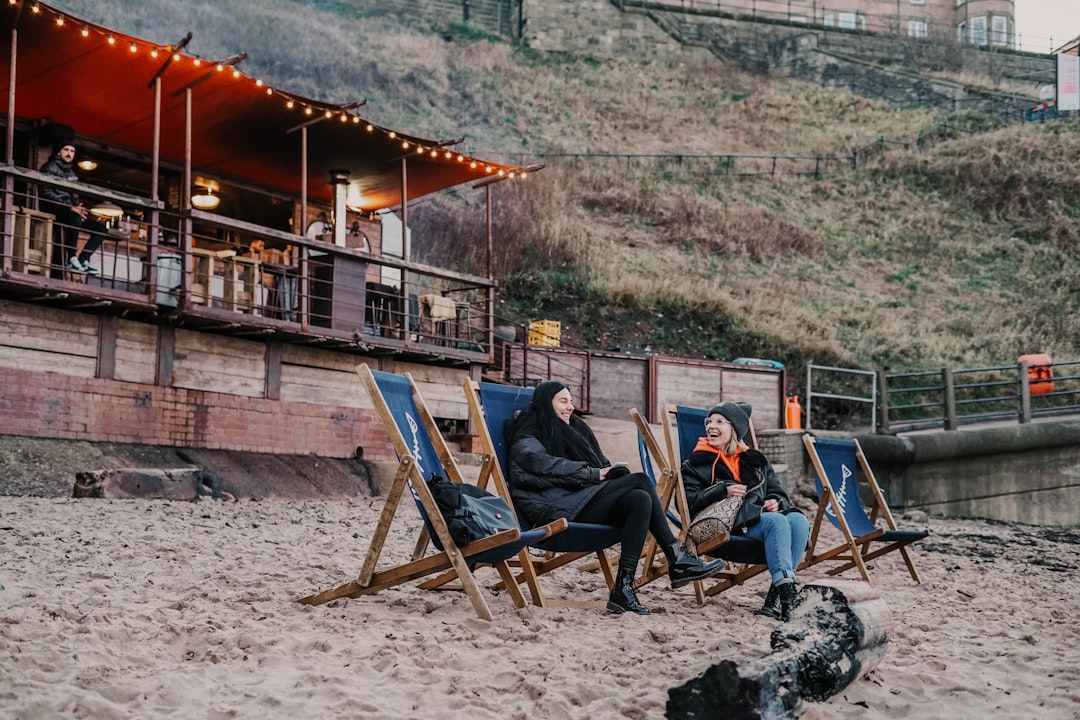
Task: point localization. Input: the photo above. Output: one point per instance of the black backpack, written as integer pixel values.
(470, 512)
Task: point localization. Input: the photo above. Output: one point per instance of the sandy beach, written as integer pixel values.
(148, 609)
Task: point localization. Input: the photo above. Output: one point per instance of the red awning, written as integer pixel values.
(70, 71)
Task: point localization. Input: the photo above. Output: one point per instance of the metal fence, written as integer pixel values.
(946, 398)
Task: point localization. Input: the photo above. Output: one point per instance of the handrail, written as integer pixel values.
(1002, 392)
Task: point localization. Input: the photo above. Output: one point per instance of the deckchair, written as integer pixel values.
(835, 464)
(422, 451)
(490, 406)
(746, 557)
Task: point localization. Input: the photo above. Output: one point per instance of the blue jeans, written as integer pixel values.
(785, 541)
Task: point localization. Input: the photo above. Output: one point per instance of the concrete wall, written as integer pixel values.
(1024, 473)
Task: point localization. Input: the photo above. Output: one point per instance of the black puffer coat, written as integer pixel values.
(547, 487)
(60, 197)
(706, 479)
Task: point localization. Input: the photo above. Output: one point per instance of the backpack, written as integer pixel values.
(471, 513)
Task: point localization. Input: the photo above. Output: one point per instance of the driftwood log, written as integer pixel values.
(838, 632)
(171, 484)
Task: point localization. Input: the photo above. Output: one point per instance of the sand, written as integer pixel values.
(148, 608)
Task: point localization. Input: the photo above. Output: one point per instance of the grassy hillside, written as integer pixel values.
(961, 255)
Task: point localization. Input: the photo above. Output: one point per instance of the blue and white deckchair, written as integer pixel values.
(490, 407)
(836, 463)
(746, 557)
(422, 451)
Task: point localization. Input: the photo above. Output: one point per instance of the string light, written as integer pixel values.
(290, 105)
(197, 62)
(328, 114)
(258, 83)
(133, 48)
(269, 91)
(154, 53)
(60, 20)
(219, 67)
(393, 134)
(370, 127)
(36, 8)
(85, 31)
(176, 57)
(405, 145)
(236, 73)
(111, 40)
(419, 150)
(307, 111)
(344, 118)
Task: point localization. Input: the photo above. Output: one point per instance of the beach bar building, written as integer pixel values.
(257, 251)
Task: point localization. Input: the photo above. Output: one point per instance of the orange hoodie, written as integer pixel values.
(731, 461)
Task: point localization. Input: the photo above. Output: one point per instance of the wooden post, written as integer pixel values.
(838, 632)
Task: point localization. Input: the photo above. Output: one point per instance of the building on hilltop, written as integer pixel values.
(978, 22)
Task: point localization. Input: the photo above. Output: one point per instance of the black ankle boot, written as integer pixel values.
(623, 598)
(789, 599)
(772, 607)
(684, 567)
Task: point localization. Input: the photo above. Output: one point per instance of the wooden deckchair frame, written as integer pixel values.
(855, 552)
(490, 469)
(670, 472)
(452, 557)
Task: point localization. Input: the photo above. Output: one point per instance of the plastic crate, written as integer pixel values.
(545, 332)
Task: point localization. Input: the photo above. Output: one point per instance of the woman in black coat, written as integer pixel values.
(557, 470)
(722, 466)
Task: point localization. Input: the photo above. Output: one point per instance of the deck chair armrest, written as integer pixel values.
(712, 544)
(554, 527)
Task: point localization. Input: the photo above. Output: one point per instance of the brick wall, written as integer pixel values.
(55, 405)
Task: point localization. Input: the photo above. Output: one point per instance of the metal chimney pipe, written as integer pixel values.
(339, 179)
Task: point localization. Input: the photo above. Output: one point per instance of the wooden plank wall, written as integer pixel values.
(47, 339)
(617, 384)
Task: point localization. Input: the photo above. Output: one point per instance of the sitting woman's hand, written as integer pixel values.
(736, 490)
(771, 505)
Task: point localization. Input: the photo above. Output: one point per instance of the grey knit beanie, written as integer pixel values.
(738, 414)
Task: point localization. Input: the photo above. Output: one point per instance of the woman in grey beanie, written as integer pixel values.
(720, 466)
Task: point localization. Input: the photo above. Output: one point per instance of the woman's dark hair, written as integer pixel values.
(540, 421)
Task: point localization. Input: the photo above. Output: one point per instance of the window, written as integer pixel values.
(828, 20)
(797, 18)
(916, 28)
(918, 2)
(960, 3)
(999, 30)
(847, 20)
(978, 30)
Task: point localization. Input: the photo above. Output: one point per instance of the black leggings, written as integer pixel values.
(631, 504)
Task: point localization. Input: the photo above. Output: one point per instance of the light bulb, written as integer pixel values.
(133, 48)
(112, 40)
(60, 20)
(405, 146)
(85, 30)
